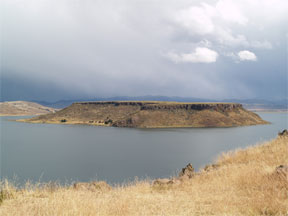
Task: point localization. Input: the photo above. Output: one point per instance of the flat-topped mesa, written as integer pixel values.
(167, 105)
(152, 114)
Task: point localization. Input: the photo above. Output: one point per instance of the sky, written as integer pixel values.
(216, 49)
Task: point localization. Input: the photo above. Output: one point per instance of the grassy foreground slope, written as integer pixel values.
(243, 182)
(152, 114)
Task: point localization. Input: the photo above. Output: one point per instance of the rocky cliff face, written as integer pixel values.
(168, 105)
(153, 114)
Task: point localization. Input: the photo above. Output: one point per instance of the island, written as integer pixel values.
(152, 114)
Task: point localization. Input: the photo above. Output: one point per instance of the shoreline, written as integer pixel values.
(281, 135)
(258, 172)
(21, 115)
(160, 127)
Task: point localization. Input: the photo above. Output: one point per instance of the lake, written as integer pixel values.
(67, 153)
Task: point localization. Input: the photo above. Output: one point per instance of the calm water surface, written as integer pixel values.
(46, 152)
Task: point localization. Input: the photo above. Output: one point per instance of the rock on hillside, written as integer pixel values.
(152, 114)
(21, 108)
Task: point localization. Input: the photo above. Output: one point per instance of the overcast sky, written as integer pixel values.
(217, 49)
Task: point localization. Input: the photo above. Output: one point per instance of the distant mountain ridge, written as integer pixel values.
(247, 103)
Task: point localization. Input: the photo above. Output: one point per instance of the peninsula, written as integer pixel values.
(152, 114)
(23, 108)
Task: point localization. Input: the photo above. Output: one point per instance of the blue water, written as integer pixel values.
(65, 153)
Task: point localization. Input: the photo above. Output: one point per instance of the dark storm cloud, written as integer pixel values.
(106, 48)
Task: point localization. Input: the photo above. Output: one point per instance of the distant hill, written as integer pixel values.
(21, 108)
(151, 114)
(260, 104)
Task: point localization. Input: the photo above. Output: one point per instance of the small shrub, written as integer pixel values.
(6, 191)
(109, 121)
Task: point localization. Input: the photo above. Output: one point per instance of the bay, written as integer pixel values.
(68, 153)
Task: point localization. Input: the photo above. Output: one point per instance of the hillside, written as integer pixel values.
(253, 181)
(152, 114)
(22, 108)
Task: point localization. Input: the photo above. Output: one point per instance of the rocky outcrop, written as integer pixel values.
(92, 186)
(210, 167)
(152, 114)
(185, 174)
(166, 182)
(284, 133)
(281, 172)
(167, 105)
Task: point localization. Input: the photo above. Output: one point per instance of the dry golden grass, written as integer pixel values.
(244, 183)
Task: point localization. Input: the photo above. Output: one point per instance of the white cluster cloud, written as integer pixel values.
(215, 22)
(200, 55)
(246, 55)
(231, 12)
(197, 20)
(225, 24)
